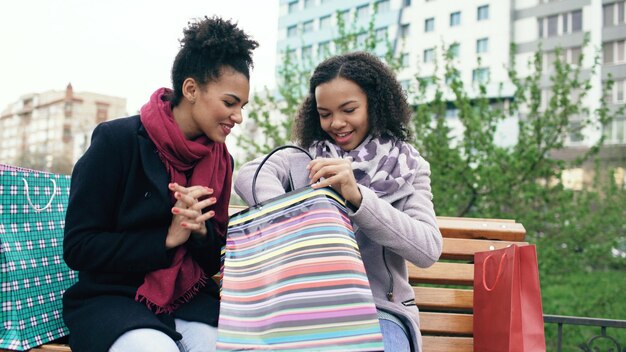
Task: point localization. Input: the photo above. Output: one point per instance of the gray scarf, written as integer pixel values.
(384, 164)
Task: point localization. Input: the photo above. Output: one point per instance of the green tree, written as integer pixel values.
(576, 231)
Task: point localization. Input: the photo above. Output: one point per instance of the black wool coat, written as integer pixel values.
(117, 219)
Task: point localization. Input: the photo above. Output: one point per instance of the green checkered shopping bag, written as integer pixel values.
(33, 275)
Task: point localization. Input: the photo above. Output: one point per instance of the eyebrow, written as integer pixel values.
(340, 106)
(234, 97)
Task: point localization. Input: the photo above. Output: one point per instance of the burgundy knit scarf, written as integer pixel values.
(209, 164)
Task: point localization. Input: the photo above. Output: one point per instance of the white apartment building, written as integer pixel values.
(54, 124)
(477, 30)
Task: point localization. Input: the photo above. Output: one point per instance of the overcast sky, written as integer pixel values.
(116, 47)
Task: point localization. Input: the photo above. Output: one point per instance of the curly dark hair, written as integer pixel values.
(208, 45)
(387, 108)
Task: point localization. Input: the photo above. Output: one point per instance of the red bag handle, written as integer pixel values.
(489, 289)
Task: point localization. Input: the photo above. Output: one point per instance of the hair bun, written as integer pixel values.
(217, 39)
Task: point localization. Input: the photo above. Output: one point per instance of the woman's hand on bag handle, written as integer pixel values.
(338, 174)
(188, 217)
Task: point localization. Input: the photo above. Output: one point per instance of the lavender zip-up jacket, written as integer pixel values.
(395, 229)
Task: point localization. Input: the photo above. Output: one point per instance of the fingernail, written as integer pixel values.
(209, 189)
(175, 210)
(212, 213)
(213, 199)
(176, 195)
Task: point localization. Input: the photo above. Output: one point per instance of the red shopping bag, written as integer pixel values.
(507, 301)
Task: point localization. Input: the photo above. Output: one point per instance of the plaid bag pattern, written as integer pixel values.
(33, 275)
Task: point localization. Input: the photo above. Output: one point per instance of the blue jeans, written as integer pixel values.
(197, 337)
(394, 337)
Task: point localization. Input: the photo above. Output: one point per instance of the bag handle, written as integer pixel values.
(489, 289)
(36, 208)
(258, 169)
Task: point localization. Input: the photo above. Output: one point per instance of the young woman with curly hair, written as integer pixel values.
(355, 122)
(148, 207)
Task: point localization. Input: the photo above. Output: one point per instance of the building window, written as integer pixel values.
(344, 15)
(577, 21)
(426, 81)
(565, 21)
(429, 24)
(553, 28)
(307, 26)
(323, 49)
(361, 39)
(309, 3)
(613, 52)
(615, 131)
(362, 12)
(293, 7)
(455, 19)
(608, 15)
(406, 85)
(405, 30)
(482, 13)
(454, 50)
(549, 59)
(620, 86)
(575, 131)
(613, 14)
(290, 55)
(325, 22)
(292, 31)
(480, 75)
(102, 112)
(540, 27)
(406, 3)
(306, 53)
(404, 60)
(482, 45)
(574, 55)
(429, 55)
(383, 6)
(381, 34)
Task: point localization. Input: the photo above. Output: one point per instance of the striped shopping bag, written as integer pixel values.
(33, 275)
(293, 279)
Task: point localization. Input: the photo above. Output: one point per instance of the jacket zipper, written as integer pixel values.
(390, 290)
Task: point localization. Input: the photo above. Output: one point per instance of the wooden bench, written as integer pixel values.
(445, 312)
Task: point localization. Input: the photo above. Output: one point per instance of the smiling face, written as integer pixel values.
(342, 107)
(215, 108)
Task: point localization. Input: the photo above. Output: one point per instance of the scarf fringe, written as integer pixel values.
(170, 308)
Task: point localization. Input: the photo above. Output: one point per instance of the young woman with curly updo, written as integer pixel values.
(148, 207)
(355, 122)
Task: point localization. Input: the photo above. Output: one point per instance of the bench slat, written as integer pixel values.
(494, 230)
(443, 298)
(447, 344)
(446, 323)
(464, 249)
(443, 274)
